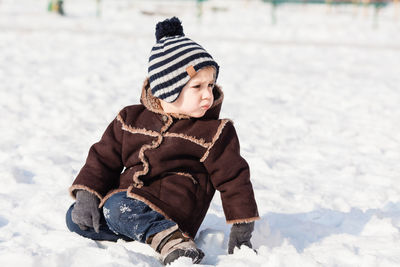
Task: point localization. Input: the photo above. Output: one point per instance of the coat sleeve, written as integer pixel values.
(103, 165)
(230, 175)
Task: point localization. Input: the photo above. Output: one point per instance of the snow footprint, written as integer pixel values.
(3, 221)
(23, 176)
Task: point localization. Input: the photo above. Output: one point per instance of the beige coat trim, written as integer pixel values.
(187, 175)
(109, 195)
(82, 187)
(149, 101)
(138, 183)
(128, 128)
(200, 142)
(179, 116)
(215, 138)
(148, 203)
(133, 130)
(247, 220)
(167, 124)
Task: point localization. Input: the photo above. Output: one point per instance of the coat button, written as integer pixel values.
(165, 118)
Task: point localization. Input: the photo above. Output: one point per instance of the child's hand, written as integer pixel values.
(86, 212)
(240, 235)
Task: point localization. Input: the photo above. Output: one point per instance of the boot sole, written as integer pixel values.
(195, 255)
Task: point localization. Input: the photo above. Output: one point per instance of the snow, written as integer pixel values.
(314, 99)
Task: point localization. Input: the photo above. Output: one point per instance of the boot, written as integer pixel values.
(173, 244)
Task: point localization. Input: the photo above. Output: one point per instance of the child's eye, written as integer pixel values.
(196, 86)
(211, 85)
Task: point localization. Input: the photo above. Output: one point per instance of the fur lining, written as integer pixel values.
(130, 129)
(247, 220)
(148, 100)
(83, 187)
(167, 124)
(215, 138)
(200, 142)
(187, 175)
(109, 195)
(138, 183)
(179, 116)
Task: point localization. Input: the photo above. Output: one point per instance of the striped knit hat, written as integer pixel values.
(174, 59)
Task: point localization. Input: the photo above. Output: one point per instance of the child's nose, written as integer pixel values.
(207, 93)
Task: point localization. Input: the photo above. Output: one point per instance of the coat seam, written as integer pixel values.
(201, 142)
(133, 130)
(137, 182)
(188, 175)
(215, 138)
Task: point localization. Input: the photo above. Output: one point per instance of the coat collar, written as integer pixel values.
(153, 104)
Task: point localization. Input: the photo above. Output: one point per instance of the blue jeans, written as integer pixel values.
(124, 218)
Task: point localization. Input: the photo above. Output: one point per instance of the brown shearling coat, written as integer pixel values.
(171, 162)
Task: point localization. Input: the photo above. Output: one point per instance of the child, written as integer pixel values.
(156, 168)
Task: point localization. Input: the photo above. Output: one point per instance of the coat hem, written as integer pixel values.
(83, 187)
(147, 202)
(113, 192)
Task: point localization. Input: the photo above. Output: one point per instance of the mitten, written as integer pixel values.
(240, 235)
(86, 211)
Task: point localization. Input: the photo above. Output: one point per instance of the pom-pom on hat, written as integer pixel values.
(174, 59)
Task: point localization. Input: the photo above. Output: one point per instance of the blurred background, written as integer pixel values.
(59, 41)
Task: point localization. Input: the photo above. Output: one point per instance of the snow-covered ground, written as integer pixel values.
(315, 100)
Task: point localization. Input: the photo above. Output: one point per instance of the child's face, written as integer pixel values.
(196, 97)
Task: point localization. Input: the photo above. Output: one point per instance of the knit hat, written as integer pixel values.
(174, 59)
